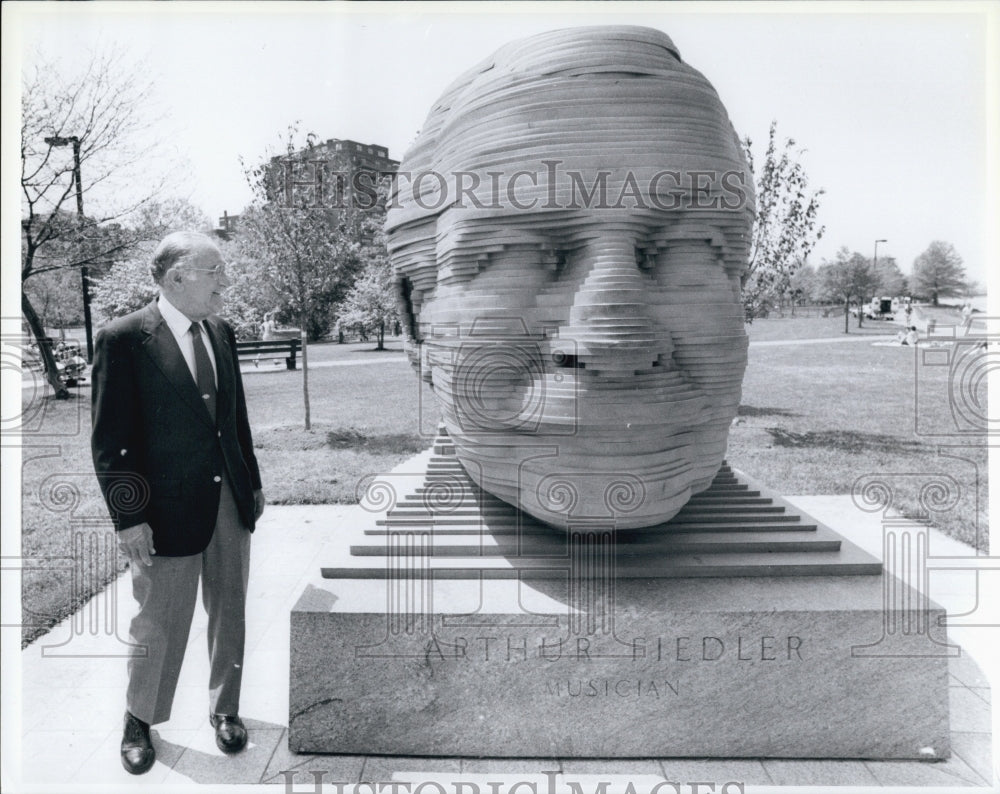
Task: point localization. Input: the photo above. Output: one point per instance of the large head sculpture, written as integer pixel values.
(568, 233)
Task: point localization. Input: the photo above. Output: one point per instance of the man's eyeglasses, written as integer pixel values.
(218, 271)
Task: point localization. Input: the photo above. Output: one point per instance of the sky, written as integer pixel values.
(888, 101)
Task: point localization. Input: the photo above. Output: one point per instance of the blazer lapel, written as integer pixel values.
(223, 368)
(162, 347)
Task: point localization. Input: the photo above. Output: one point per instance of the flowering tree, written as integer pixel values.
(127, 286)
(371, 302)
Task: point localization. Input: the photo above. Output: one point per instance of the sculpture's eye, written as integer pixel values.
(557, 260)
(645, 257)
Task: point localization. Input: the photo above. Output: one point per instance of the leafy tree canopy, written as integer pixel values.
(785, 228)
(938, 272)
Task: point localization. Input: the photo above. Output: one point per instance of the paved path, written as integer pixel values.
(827, 340)
(73, 681)
(279, 364)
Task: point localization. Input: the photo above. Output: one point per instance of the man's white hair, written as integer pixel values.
(175, 247)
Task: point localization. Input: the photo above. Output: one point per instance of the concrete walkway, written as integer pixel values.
(73, 682)
(826, 340)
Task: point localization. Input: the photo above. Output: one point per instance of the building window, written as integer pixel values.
(339, 146)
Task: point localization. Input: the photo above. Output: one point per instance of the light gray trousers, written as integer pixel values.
(167, 591)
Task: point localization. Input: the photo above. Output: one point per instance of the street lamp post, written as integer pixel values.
(58, 140)
(875, 257)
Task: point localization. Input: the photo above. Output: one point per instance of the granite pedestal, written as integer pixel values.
(457, 628)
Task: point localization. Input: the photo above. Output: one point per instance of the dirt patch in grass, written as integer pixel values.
(751, 410)
(387, 443)
(847, 441)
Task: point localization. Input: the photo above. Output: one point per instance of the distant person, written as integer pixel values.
(269, 327)
(967, 317)
(170, 428)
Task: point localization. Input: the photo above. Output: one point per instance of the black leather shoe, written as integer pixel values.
(230, 734)
(138, 754)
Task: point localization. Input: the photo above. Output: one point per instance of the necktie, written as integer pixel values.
(203, 369)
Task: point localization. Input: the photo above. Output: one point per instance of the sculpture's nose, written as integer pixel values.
(610, 320)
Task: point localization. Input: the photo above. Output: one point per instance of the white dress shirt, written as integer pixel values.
(180, 327)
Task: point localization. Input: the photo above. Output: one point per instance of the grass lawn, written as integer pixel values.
(366, 418)
(814, 419)
(817, 327)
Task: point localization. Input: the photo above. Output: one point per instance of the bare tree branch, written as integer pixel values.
(99, 120)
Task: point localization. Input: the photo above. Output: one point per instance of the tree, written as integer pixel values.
(371, 303)
(802, 285)
(155, 219)
(127, 286)
(56, 297)
(784, 230)
(81, 136)
(849, 277)
(250, 295)
(306, 251)
(972, 289)
(938, 272)
(890, 279)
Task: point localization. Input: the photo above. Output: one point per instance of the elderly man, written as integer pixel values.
(174, 456)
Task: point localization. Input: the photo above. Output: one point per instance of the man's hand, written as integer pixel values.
(258, 504)
(137, 543)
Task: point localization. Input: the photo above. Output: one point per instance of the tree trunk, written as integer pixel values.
(303, 317)
(847, 316)
(381, 336)
(44, 349)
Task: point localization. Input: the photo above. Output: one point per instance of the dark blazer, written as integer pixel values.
(158, 455)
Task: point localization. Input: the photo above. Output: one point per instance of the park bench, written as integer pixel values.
(273, 348)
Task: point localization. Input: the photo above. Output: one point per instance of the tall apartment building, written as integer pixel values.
(337, 172)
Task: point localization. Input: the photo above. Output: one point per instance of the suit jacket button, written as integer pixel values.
(217, 478)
